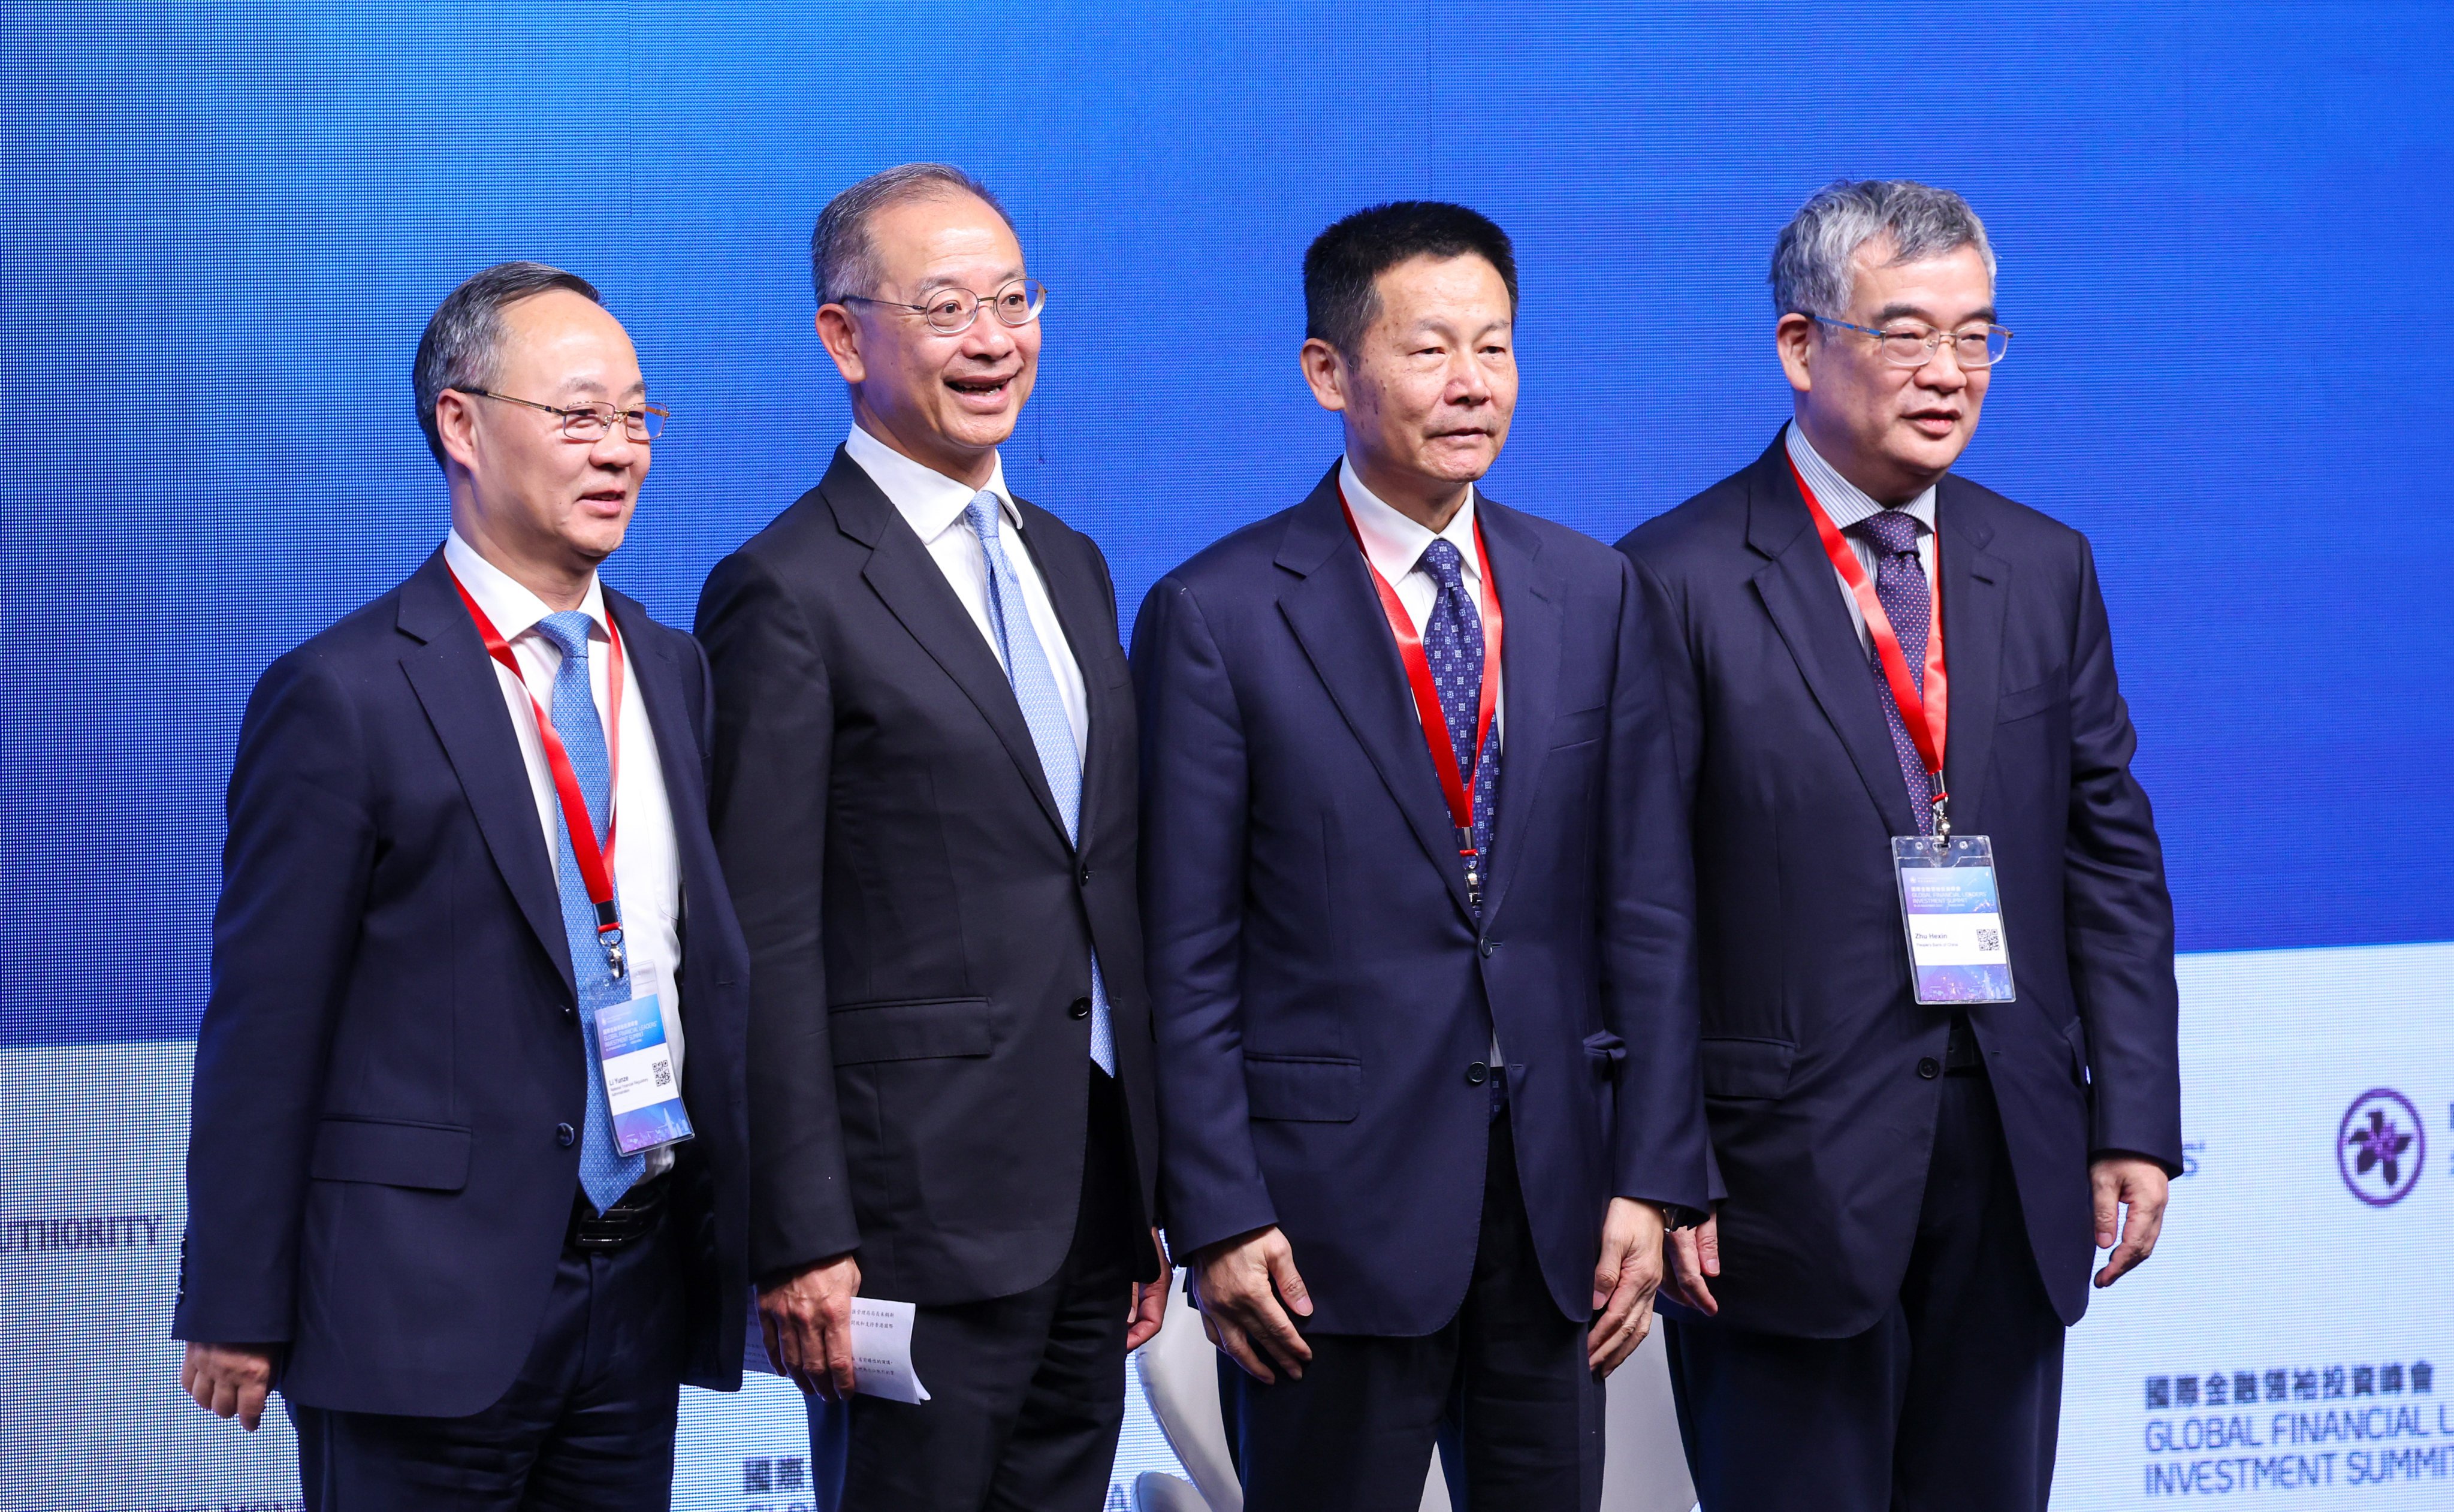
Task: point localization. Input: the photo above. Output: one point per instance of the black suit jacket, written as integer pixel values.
(1821, 1122)
(919, 927)
(390, 1067)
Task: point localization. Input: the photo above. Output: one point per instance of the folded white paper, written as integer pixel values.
(881, 1349)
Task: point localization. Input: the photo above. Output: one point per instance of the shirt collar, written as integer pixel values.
(1395, 544)
(929, 501)
(512, 609)
(1845, 501)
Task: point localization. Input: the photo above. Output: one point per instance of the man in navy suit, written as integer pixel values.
(1911, 1194)
(1422, 952)
(467, 850)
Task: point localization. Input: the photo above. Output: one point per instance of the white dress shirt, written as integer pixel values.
(1848, 504)
(1394, 546)
(932, 505)
(647, 873)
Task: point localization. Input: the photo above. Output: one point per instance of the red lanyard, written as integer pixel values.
(1458, 786)
(1928, 717)
(595, 861)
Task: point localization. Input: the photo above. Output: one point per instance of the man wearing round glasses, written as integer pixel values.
(1923, 1127)
(925, 798)
(466, 1171)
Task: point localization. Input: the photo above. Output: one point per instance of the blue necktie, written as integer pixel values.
(1052, 732)
(605, 1172)
(1453, 645)
(1900, 588)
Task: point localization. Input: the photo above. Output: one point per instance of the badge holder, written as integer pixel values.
(1952, 914)
(641, 1090)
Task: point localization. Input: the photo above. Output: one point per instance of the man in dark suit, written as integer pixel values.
(924, 798)
(413, 1208)
(1422, 949)
(1875, 1319)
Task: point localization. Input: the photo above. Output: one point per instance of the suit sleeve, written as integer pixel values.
(2119, 916)
(1659, 1151)
(295, 872)
(774, 751)
(1194, 792)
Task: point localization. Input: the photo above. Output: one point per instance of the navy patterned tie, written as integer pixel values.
(1453, 645)
(1901, 587)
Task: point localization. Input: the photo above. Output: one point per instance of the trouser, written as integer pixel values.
(1502, 1388)
(586, 1424)
(1950, 1402)
(1027, 1392)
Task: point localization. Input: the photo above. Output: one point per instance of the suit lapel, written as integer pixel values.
(1804, 598)
(456, 684)
(1976, 588)
(1530, 603)
(1337, 620)
(908, 580)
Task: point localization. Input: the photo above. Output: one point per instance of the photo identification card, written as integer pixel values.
(1953, 918)
(640, 1088)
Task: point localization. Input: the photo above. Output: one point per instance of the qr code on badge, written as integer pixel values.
(664, 1073)
(1987, 939)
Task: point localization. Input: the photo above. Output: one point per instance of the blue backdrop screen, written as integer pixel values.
(2222, 233)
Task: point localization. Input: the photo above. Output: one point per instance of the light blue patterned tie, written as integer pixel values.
(605, 1172)
(1052, 732)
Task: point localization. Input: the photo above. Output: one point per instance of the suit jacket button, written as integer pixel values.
(1488, 946)
(564, 1134)
(1475, 1073)
(1081, 1008)
(1084, 877)
(1929, 1068)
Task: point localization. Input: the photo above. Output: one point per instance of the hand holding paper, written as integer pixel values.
(874, 1359)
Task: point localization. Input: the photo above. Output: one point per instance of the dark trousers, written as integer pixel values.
(1026, 1393)
(1950, 1402)
(1502, 1389)
(588, 1423)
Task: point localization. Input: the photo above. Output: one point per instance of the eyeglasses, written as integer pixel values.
(1915, 346)
(950, 311)
(592, 422)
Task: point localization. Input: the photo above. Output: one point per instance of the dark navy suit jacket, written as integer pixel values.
(1321, 986)
(380, 1168)
(923, 928)
(1812, 1041)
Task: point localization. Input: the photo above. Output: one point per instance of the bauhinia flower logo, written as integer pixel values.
(2382, 1147)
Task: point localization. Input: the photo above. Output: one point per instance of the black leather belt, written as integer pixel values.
(634, 1217)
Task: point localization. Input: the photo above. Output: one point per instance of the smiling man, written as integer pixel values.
(1421, 956)
(924, 795)
(454, 1188)
(1892, 686)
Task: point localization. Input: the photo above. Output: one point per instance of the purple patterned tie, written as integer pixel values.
(1453, 645)
(1901, 587)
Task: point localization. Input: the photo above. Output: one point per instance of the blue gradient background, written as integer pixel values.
(2222, 232)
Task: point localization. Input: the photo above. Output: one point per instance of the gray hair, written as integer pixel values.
(1810, 262)
(464, 339)
(843, 260)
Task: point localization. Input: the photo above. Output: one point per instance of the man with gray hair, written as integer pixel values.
(1939, 1031)
(925, 796)
(458, 1186)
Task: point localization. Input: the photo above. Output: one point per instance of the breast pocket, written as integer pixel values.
(2027, 703)
(1583, 727)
